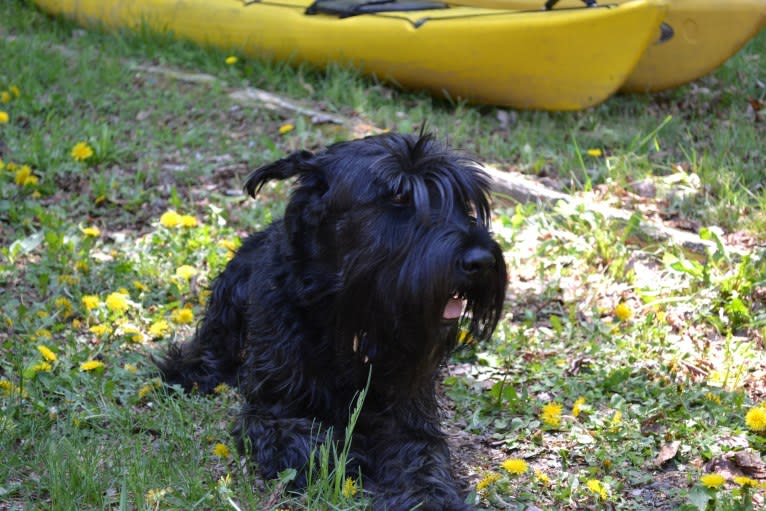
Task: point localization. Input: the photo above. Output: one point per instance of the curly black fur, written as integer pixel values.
(382, 241)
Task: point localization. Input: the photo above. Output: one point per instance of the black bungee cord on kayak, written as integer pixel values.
(348, 8)
(550, 3)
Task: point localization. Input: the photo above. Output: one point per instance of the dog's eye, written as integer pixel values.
(401, 199)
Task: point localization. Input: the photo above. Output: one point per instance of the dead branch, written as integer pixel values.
(524, 190)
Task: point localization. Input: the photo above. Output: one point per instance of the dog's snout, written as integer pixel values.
(477, 260)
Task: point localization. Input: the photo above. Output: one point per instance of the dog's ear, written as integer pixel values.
(280, 169)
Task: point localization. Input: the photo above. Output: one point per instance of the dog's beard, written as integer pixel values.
(405, 310)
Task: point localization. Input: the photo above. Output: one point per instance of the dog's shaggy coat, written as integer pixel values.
(383, 255)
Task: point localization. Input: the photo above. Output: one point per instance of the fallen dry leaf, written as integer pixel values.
(667, 452)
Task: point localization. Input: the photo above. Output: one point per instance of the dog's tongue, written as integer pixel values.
(453, 309)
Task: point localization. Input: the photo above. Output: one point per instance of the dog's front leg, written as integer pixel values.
(412, 471)
(277, 443)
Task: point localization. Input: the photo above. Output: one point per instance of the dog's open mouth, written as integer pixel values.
(455, 307)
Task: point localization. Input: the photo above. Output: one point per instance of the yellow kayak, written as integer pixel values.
(567, 59)
(697, 37)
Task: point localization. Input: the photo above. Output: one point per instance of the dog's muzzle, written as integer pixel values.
(476, 261)
(474, 264)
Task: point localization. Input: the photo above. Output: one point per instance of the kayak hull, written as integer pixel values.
(698, 36)
(706, 33)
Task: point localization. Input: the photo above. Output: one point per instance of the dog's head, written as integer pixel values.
(391, 234)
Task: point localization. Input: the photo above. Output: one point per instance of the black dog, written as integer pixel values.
(383, 252)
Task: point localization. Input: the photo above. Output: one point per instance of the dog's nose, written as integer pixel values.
(476, 260)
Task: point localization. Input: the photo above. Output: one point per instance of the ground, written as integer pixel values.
(624, 372)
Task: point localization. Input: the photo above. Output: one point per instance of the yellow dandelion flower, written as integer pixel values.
(47, 353)
(170, 218)
(100, 330)
(487, 481)
(2, 164)
(69, 279)
(182, 316)
(159, 328)
(91, 301)
(221, 451)
(131, 368)
(64, 305)
(349, 488)
(30, 181)
(515, 466)
(595, 152)
(203, 296)
(42, 314)
(15, 90)
(597, 487)
(542, 477)
(577, 406)
(286, 128)
(228, 245)
(11, 166)
(551, 414)
(39, 367)
(76, 323)
(81, 151)
(231, 60)
(43, 333)
(8, 388)
(145, 390)
(140, 286)
(5, 97)
(616, 419)
(186, 272)
(63, 302)
(4, 117)
(745, 481)
(712, 481)
(133, 333)
(91, 365)
(22, 174)
(117, 302)
(82, 266)
(221, 388)
(188, 221)
(713, 398)
(92, 232)
(464, 337)
(756, 419)
(623, 312)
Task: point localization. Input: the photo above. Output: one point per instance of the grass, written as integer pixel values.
(648, 361)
